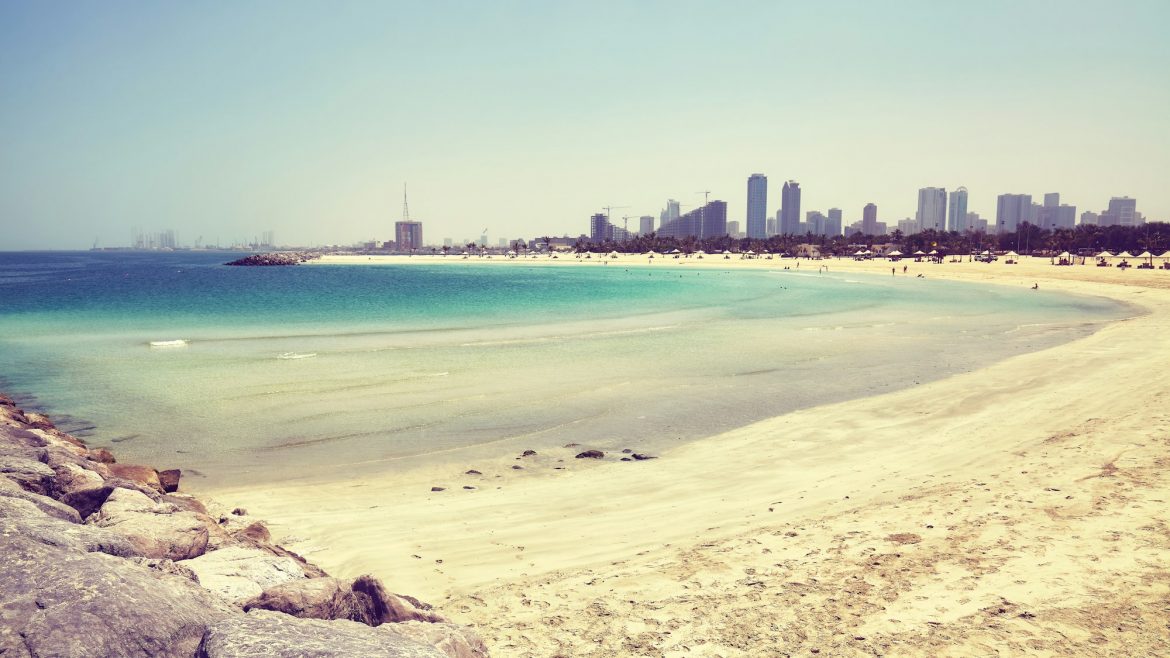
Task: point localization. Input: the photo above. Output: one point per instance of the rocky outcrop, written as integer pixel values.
(101, 559)
(262, 633)
(278, 258)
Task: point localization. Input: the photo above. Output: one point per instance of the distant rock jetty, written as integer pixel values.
(99, 558)
(276, 258)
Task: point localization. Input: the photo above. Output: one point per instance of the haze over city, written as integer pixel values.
(224, 121)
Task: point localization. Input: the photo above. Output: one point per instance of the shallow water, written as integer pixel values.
(327, 370)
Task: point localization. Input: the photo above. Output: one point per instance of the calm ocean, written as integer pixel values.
(330, 369)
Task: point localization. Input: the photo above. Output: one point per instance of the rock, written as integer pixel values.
(169, 480)
(473, 472)
(591, 454)
(626, 451)
(101, 455)
(56, 601)
(87, 501)
(468, 487)
(572, 445)
(517, 467)
(272, 634)
(641, 457)
(240, 511)
(438, 488)
(45, 504)
(27, 519)
(255, 532)
(166, 566)
(455, 641)
(275, 259)
(158, 530)
(72, 477)
(185, 502)
(240, 573)
(528, 453)
(313, 598)
(141, 474)
(28, 473)
(904, 538)
(39, 421)
(385, 607)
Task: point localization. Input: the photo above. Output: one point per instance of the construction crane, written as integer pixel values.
(609, 210)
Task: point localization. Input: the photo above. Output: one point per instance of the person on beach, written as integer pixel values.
(893, 271)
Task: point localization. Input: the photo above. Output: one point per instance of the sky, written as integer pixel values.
(221, 120)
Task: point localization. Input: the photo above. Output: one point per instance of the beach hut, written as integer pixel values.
(895, 255)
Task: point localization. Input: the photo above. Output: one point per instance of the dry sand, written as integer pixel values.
(1017, 510)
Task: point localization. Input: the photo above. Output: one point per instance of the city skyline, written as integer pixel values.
(526, 119)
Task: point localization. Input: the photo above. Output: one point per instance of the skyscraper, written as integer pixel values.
(833, 225)
(869, 220)
(646, 224)
(957, 211)
(790, 208)
(1122, 212)
(599, 228)
(408, 235)
(1052, 199)
(669, 213)
(1011, 210)
(705, 222)
(932, 209)
(757, 206)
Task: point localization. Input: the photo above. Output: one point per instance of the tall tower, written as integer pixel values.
(957, 211)
(869, 219)
(932, 209)
(1011, 210)
(757, 206)
(790, 208)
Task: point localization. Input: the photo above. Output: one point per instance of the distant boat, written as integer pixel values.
(168, 343)
(296, 355)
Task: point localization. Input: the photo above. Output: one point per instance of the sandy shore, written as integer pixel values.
(1017, 510)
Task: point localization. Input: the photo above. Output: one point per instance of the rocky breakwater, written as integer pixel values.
(275, 259)
(99, 558)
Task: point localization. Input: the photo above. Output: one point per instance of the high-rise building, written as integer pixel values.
(833, 225)
(705, 222)
(757, 206)
(1053, 214)
(957, 211)
(790, 208)
(1122, 212)
(771, 227)
(669, 213)
(814, 222)
(646, 224)
(1011, 210)
(1051, 199)
(733, 229)
(869, 222)
(600, 229)
(932, 209)
(1089, 218)
(408, 235)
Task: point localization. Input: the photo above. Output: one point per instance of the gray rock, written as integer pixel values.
(30, 473)
(56, 601)
(455, 641)
(240, 573)
(274, 635)
(46, 505)
(158, 530)
(26, 518)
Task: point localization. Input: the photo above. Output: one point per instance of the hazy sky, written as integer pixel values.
(225, 119)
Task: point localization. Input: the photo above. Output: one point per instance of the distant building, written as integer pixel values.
(932, 209)
(1053, 214)
(1089, 218)
(705, 222)
(814, 222)
(908, 226)
(957, 211)
(1051, 199)
(600, 229)
(503, 243)
(669, 213)
(1122, 212)
(790, 208)
(646, 224)
(1012, 210)
(869, 219)
(757, 206)
(733, 229)
(448, 242)
(771, 227)
(833, 223)
(408, 236)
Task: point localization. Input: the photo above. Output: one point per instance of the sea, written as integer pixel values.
(327, 371)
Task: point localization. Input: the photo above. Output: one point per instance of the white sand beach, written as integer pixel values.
(1016, 510)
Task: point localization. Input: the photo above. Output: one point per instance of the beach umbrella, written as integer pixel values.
(920, 253)
(750, 252)
(859, 252)
(1165, 255)
(934, 252)
(1011, 254)
(894, 253)
(675, 251)
(1125, 254)
(1104, 254)
(613, 254)
(1145, 254)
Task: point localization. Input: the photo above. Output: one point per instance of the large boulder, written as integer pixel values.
(363, 600)
(158, 530)
(29, 473)
(453, 640)
(57, 601)
(274, 635)
(46, 505)
(240, 573)
(27, 518)
(142, 474)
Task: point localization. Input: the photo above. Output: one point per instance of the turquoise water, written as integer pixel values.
(407, 362)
